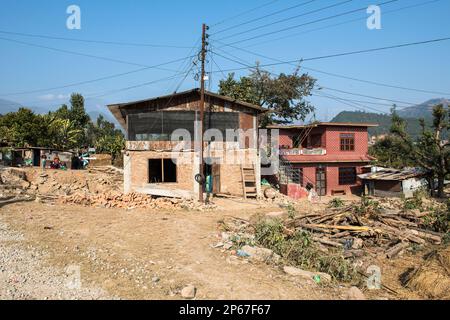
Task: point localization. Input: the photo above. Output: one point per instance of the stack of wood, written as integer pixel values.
(386, 230)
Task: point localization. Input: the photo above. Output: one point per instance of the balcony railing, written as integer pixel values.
(303, 152)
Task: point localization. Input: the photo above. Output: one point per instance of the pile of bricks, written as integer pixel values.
(119, 200)
(132, 201)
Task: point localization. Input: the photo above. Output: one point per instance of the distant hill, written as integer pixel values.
(412, 115)
(423, 110)
(383, 120)
(8, 106)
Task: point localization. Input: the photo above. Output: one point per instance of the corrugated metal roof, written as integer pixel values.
(393, 174)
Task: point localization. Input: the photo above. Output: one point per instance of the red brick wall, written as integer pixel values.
(332, 136)
(332, 170)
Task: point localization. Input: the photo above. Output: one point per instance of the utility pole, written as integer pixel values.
(202, 108)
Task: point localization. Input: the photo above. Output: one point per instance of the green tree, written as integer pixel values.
(283, 95)
(65, 133)
(390, 152)
(22, 128)
(430, 150)
(111, 144)
(105, 137)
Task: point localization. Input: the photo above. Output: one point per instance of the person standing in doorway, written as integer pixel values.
(43, 161)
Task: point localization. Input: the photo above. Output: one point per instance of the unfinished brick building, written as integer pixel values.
(326, 157)
(157, 165)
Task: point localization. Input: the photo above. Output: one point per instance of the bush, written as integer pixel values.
(300, 250)
(336, 203)
(416, 202)
(438, 220)
(367, 206)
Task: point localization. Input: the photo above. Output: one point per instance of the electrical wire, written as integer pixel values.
(263, 17)
(81, 54)
(310, 22)
(341, 23)
(41, 36)
(344, 54)
(286, 19)
(93, 80)
(342, 76)
(244, 13)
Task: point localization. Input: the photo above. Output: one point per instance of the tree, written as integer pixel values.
(77, 116)
(283, 96)
(105, 137)
(22, 128)
(430, 151)
(112, 145)
(65, 134)
(390, 152)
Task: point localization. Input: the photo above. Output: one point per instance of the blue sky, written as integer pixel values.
(178, 23)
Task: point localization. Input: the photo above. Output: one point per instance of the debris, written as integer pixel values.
(296, 272)
(395, 250)
(270, 193)
(189, 292)
(355, 294)
(432, 277)
(260, 254)
(243, 254)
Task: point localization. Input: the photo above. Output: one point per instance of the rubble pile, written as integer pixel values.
(132, 201)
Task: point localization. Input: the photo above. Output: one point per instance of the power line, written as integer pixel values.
(342, 76)
(92, 80)
(354, 105)
(341, 23)
(263, 17)
(327, 88)
(375, 83)
(344, 54)
(311, 22)
(287, 19)
(364, 102)
(94, 41)
(134, 86)
(81, 54)
(185, 64)
(244, 13)
(367, 96)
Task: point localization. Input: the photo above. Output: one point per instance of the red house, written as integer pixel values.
(323, 156)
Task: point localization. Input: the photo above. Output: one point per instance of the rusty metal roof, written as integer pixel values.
(394, 174)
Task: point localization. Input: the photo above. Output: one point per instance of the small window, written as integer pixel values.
(162, 171)
(347, 142)
(347, 176)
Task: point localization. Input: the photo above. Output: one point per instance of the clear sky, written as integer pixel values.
(177, 23)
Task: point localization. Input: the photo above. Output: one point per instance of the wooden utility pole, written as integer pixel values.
(202, 109)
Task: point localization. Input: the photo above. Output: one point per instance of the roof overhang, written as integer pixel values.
(118, 110)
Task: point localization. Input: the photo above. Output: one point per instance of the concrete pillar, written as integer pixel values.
(127, 172)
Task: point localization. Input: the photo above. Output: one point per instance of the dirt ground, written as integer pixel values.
(150, 254)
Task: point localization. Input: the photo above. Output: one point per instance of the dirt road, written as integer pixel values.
(136, 254)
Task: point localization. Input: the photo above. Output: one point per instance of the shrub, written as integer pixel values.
(336, 203)
(300, 250)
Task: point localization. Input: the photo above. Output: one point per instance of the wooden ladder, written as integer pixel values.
(249, 182)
